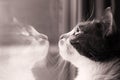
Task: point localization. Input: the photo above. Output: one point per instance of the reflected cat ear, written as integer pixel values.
(107, 19)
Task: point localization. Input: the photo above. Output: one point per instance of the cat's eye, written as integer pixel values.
(77, 30)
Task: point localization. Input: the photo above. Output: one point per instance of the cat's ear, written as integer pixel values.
(107, 20)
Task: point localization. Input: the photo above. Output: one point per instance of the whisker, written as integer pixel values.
(92, 11)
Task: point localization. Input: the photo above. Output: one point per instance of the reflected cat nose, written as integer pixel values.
(43, 36)
(63, 36)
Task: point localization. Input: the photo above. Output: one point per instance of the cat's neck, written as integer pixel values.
(97, 71)
(86, 70)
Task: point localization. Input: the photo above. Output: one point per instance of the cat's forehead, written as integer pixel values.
(80, 24)
(85, 23)
(89, 25)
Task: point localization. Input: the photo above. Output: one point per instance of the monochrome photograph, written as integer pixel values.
(59, 40)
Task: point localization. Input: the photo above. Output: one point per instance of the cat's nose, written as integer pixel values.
(63, 36)
(43, 36)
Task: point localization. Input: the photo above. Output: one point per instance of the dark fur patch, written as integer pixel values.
(94, 44)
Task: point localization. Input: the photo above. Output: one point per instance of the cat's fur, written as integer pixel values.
(21, 49)
(94, 48)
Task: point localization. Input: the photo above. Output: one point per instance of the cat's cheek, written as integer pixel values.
(67, 51)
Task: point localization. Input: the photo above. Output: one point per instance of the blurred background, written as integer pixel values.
(52, 17)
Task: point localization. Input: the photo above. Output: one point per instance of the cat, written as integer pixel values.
(21, 47)
(93, 47)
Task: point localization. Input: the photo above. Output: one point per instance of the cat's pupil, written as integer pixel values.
(77, 30)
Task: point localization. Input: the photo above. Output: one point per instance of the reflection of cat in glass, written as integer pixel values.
(21, 47)
(93, 47)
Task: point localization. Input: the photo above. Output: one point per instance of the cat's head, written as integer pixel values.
(96, 40)
(22, 42)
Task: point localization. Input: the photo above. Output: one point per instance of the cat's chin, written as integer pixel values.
(68, 52)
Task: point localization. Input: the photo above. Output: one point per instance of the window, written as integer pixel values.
(74, 11)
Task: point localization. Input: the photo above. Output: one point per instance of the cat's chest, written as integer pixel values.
(16, 72)
(88, 71)
(17, 64)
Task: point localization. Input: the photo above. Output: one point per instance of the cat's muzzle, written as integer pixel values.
(43, 36)
(63, 36)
